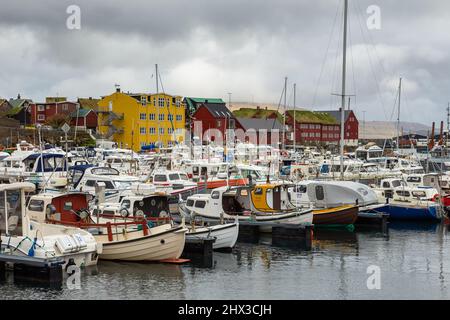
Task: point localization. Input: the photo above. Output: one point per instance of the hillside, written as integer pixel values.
(386, 129)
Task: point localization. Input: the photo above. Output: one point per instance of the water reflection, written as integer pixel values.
(414, 261)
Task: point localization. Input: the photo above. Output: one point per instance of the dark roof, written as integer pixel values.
(88, 103)
(16, 103)
(218, 110)
(336, 114)
(259, 124)
(81, 113)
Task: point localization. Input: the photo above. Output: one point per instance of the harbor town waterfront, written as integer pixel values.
(244, 152)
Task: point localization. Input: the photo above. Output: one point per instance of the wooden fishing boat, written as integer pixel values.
(123, 238)
(343, 215)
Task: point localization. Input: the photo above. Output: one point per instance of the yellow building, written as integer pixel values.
(136, 120)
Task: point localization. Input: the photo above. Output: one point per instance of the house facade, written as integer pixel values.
(138, 120)
(84, 118)
(212, 120)
(42, 112)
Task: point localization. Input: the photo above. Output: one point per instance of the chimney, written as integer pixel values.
(18, 96)
(206, 100)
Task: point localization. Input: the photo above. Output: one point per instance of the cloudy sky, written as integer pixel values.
(208, 48)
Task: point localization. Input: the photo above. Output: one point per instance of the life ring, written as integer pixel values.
(436, 198)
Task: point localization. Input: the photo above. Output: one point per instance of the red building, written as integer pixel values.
(213, 116)
(41, 112)
(313, 127)
(84, 118)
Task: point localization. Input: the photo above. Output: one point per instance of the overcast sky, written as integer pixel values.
(208, 48)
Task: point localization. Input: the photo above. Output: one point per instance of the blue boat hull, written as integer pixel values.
(397, 212)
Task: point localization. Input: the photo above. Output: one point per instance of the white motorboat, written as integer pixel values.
(21, 234)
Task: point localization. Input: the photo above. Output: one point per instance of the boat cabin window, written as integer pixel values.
(160, 178)
(258, 191)
(126, 204)
(215, 195)
(36, 205)
(68, 206)
(195, 171)
(174, 176)
(320, 194)
(183, 176)
(419, 194)
(414, 179)
(108, 184)
(200, 204)
(190, 203)
(386, 184)
(300, 189)
(402, 193)
(397, 183)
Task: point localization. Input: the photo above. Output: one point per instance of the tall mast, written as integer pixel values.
(344, 65)
(284, 114)
(295, 121)
(157, 101)
(448, 128)
(398, 112)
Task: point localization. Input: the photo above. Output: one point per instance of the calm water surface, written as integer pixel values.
(414, 261)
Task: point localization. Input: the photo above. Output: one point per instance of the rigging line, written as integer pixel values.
(375, 48)
(371, 64)
(168, 108)
(335, 74)
(352, 63)
(278, 108)
(333, 28)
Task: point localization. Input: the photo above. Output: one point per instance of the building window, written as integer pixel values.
(151, 116)
(41, 117)
(41, 107)
(143, 130)
(168, 102)
(161, 102)
(218, 124)
(161, 130)
(154, 102)
(169, 130)
(143, 116)
(144, 101)
(65, 107)
(161, 117)
(170, 117)
(231, 124)
(152, 130)
(179, 117)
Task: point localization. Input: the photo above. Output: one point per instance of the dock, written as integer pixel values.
(33, 270)
(283, 234)
(370, 220)
(199, 252)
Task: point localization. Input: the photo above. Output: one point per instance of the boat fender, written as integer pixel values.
(33, 246)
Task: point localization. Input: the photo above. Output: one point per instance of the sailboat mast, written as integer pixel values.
(344, 66)
(398, 112)
(284, 114)
(157, 102)
(295, 121)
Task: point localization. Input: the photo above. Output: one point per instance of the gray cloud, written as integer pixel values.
(209, 48)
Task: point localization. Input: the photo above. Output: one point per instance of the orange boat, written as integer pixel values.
(213, 184)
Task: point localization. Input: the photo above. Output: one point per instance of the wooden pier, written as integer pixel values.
(199, 251)
(33, 270)
(372, 220)
(283, 234)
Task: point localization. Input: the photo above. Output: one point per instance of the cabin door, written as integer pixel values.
(276, 198)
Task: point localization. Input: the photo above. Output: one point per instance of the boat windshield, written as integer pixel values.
(174, 176)
(13, 218)
(398, 183)
(123, 184)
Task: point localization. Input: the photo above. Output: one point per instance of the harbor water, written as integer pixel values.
(413, 261)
